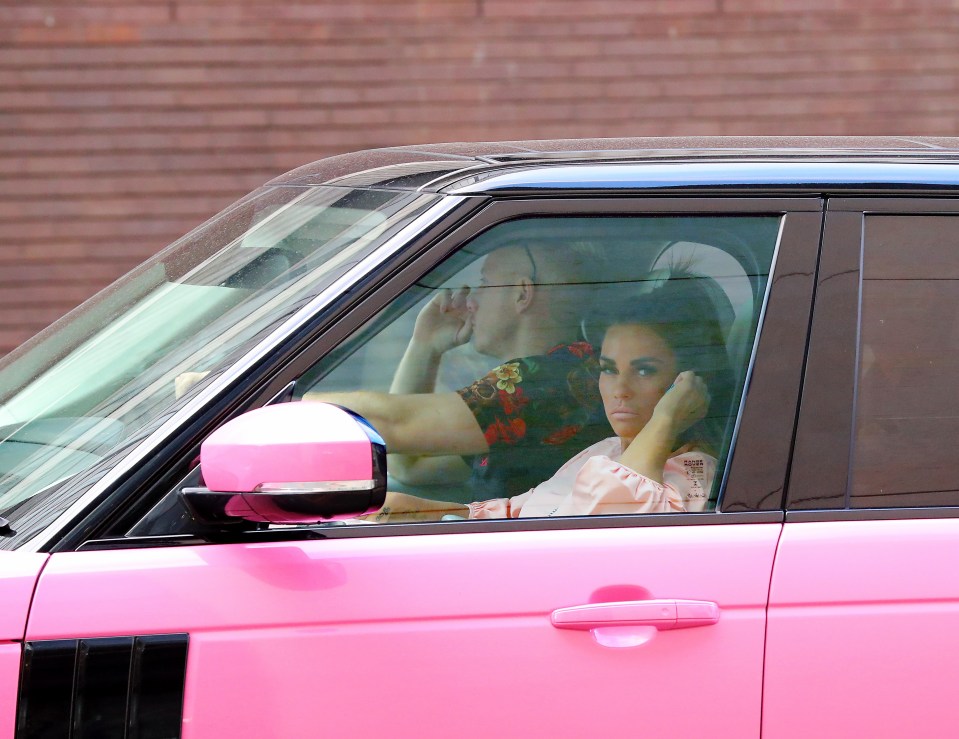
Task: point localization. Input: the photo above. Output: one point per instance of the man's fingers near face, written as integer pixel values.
(459, 298)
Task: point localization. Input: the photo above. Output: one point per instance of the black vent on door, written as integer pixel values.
(127, 687)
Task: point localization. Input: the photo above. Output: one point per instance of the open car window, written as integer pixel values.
(540, 408)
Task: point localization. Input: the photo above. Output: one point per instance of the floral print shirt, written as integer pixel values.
(536, 412)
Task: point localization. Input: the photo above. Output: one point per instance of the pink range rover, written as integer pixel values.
(189, 550)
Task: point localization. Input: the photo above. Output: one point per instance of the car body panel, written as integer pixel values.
(10, 653)
(18, 576)
(862, 638)
(442, 620)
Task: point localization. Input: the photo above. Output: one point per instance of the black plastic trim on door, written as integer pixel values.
(819, 475)
(820, 468)
(871, 514)
(424, 528)
(757, 472)
(129, 687)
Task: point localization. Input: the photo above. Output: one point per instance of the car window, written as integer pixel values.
(520, 375)
(907, 407)
(99, 381)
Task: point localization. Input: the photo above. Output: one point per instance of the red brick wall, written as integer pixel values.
(123, 123)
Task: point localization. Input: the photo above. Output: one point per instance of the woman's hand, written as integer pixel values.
(684, 403)
(444, 322)
(403, 508)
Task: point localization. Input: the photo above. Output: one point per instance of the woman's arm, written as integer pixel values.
(401, 508)
(685, 403)
(606, 487)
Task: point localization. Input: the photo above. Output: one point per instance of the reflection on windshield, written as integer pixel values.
(104, 375)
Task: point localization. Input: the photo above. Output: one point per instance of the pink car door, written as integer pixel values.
(565, 627)
(433, 635)
(18, 577)
(864, 604)
(593, 626)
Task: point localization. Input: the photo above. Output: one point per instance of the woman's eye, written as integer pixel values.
(647, 370)
(607, 369)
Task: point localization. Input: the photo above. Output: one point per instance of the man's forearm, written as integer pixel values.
(417, 370)
(433, 423)
(419, 469)
(416, 373)
(377, 408)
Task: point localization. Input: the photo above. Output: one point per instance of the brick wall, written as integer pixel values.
(123, 123)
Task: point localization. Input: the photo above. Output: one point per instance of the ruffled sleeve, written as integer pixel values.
(604, 487)
(594, 483)
(499, 507)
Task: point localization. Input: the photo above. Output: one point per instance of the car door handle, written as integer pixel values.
(663, 614)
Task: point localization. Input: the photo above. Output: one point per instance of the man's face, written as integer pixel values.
(493, 304)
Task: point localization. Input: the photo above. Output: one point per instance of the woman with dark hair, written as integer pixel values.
(665, 384)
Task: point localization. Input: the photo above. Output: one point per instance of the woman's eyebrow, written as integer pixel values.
(638, 360)
(646, 360)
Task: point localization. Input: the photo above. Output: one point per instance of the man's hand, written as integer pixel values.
(445, 322)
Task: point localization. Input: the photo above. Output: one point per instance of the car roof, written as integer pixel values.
(809, 164)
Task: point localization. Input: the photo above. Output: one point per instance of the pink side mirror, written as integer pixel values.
(292, 463)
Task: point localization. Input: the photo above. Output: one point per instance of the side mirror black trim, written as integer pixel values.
(296, 503)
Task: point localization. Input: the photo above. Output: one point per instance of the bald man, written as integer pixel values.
(519, 423)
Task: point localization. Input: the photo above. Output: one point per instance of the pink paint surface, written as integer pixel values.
(862, 630)
(18, 574)
(9, 680)
(289, 442)
(442, 635)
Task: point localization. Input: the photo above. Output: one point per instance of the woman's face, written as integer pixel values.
(636, 368)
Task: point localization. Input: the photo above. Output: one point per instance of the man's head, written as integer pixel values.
(528, 299)
(501, 298)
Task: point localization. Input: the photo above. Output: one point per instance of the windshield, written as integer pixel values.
(102, 377)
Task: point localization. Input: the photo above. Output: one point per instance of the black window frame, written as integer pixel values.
(754, 485)
(819, 478)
